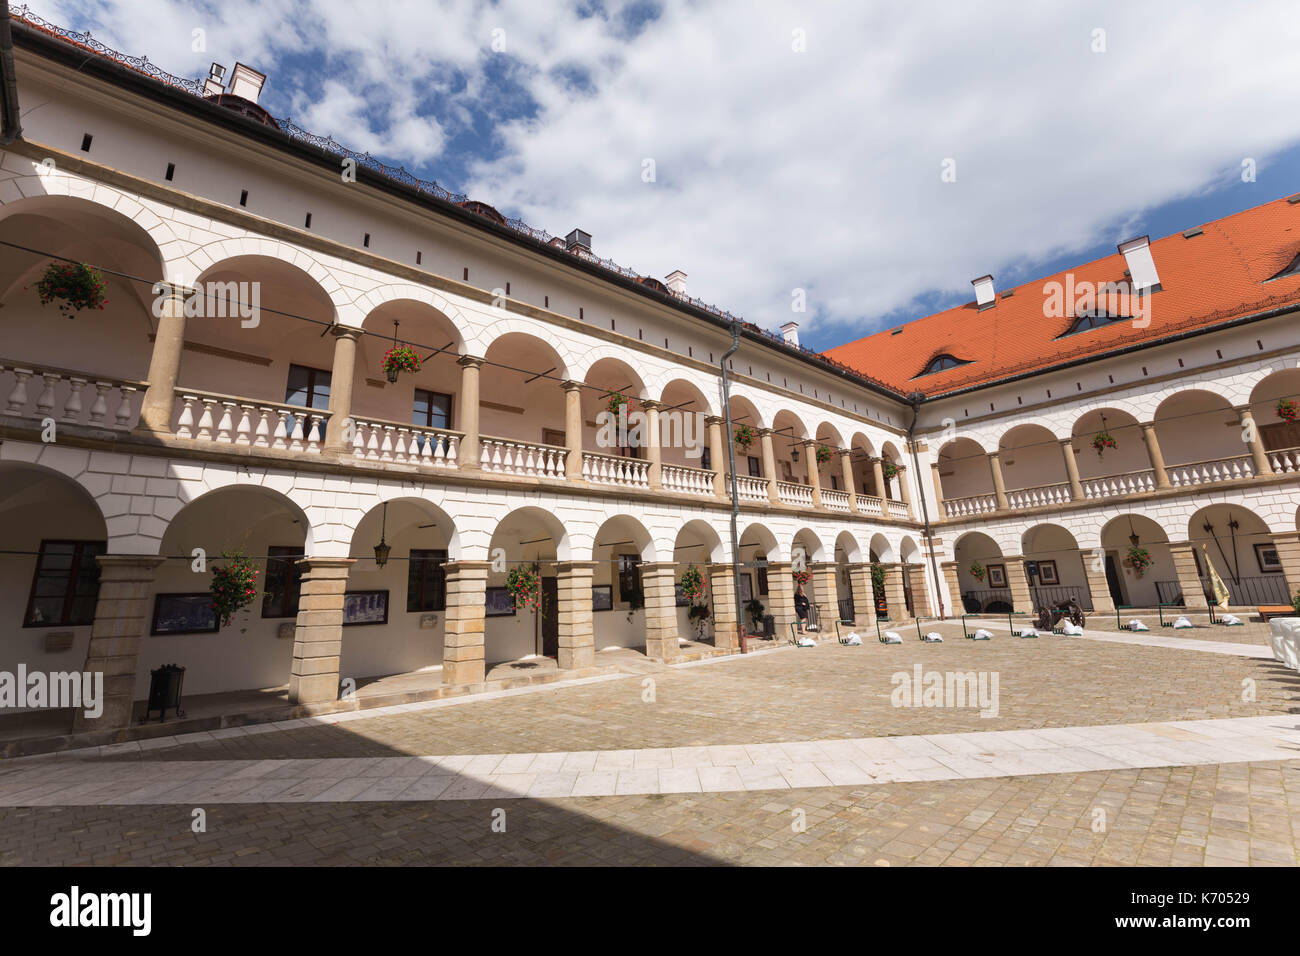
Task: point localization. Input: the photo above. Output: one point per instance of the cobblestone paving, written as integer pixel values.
(807, 694)
(1232, 814)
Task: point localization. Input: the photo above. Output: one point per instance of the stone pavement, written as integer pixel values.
(833, 772)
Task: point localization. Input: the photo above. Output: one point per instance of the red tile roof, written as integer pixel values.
(1206, 280)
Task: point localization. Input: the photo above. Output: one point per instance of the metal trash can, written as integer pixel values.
(165, 692)
(769, 625)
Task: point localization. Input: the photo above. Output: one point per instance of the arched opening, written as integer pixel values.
(1054, 568)
(1273, 403)
(621, 546)
(749, 459)
(520, 397)
(1131, 585)
(533, 538)
(847, 552)
(965, 478)
(914, 596)
(266, 527)
(1199, 430)
(1128, 458)
(683, 435)
(982, 574)
(428, 398)
(697, 545)
(758, 547)
(807, 551)
(891, 465)
(1237, 545)
(610, 378)
(788, 434)
(881, 553)
(864, 475)
(1033, 469)
(830, 472)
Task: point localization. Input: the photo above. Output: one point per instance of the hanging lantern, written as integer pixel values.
(383, 549)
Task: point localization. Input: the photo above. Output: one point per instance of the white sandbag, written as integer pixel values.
(853, 638)
(933, 637)
(891, 637)
(1231, 620)
(1072, 629)
(1136, 625)
(982, 635)
(1181, 623)
(1028, 632)
(806, 641)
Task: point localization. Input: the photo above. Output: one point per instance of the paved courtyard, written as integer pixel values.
(1115, 748)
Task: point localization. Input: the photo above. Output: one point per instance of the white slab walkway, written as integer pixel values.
(776, 766)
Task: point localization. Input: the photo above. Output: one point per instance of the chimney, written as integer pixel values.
(1141, 267)
(985, 297)
(790, 332)
(578, 240)
(246, 83)
(213, 85)
(676, 281)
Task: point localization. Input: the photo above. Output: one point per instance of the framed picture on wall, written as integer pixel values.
(499, 603)
(679, 596)
(184, 614)
(746, 584)
(602, 597)
(1047, 572)
(365, 607)
(997, 575)
(1267, 557)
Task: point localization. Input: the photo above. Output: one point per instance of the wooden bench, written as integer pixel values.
(1267, 611)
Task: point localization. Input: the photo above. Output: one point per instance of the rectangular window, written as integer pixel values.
(283, 582)
(432, 409)
(761, 560)
(755, 469)
(629, 576)
(426, 580)
(65, 584)
(706, 459)
(310, 388)
(835, 483)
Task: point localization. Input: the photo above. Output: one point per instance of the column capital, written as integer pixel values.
(714, 420)
(844, 452)
(468, 566)
(470, 361)
(567, 567)
(144, 562)
(1147, 426)
(571, 385)
(764, 432)
(340, 331)
(650, 404)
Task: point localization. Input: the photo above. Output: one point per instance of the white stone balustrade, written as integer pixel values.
(794, 494)
(1037, 497)
(1129, 483)
(1208, 472)
(505, 456)
(226, 420)
(749, 488)
(77, 398)
(686, 480)
(375, 440)
(835, 500)
(615, 470)
(870, 505)
(1284, 460)
(973, 505)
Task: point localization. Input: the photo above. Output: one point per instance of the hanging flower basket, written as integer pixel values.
(977, 571)
(400, 358)
(1103, 440)
(801, 577)
(234, 585)
(744, 436)
(889, 470)
(1288, 411)
(616, 399)
(76, 284)
(1139, 559)
(692, 584)
(525, 586)
(823, 454)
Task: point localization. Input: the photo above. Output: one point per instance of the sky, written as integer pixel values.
(865, 160)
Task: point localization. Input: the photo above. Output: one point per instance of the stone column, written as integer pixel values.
(826, 593)
(938, 488)
(654, 453)
(657, 583)
(999, 487)
(814, 471)
(780, 597)
(920, 590)
(1188, 579)
(769, 464)
(895, 601)
(573, 429)
(337, 437)
(165, 362)
(1098, 586)
(577, 641)
(904, 491)
(1153, 452)
(122, 616)
(953, 582)
(1072, 468)
(718, 455)
(722, 587)
(846, 471)
(462, 643)
(1288, 551)
(1257, 453)
(469, 444)
(1018, 583)
(318, 636)
(878, 474)
(864, 596)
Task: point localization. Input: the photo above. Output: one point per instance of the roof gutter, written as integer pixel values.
(10, 125)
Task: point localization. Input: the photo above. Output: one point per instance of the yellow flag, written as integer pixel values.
(1216, 582)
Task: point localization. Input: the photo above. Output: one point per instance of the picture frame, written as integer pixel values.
(188, 613)
(498, 602)
(365, 608)
(1047, 573)
(746, 585)
(997, 575)
(1266, 556)
(602, 597)
(679, 596)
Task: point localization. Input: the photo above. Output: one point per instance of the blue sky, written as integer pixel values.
(794, 146)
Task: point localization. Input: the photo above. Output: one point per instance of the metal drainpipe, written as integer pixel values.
(735, 503)
(10, 125)
(915, 400)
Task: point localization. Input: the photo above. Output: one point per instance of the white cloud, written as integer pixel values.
(818, 170)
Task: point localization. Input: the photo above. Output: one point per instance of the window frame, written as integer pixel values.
(70, 594)
(423, 558)
(273, 559)
(415, 411)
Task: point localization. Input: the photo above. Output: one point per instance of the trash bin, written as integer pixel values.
(769, 625)
(165, 692)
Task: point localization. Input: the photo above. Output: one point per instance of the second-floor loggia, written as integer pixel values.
(1192, 438)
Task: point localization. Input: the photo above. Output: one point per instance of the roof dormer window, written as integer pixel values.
(1092, 319)
(1292, 269)
(941, 363)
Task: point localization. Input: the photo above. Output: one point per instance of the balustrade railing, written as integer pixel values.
(1128, 483)
(63, 395)
(686, 480)
(1207, 472)
(1038, 496)
(972, 505)
(749, 488)
(227, 420)
(793, 494)
(376, 440)
(615, 470)
(835, 500)
(870, 505)
(505, 456)
(1284, 460)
